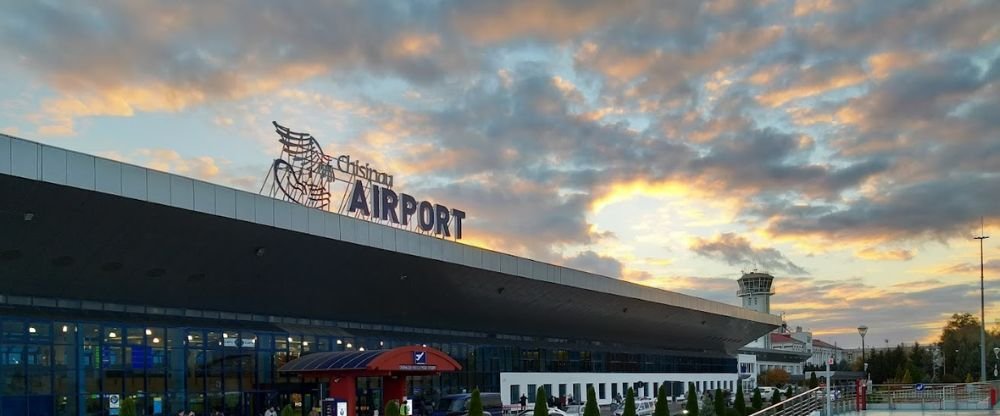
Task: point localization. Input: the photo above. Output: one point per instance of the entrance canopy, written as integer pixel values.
(404, 361)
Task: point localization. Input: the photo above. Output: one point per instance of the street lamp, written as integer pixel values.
(996, 352)
(863, 330)
(982, 306)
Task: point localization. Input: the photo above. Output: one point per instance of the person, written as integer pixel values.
(270, 411)
(524, 402)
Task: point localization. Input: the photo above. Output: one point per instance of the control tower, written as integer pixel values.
(756, 290)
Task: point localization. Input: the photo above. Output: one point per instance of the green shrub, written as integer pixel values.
(475, 404)
(813, 381)
(591, 408)
(756, 402)
(740, 403)
(661, 402)
(629, 409)
(287, 410)
(128, 407)
(692, 401)
(392, 409)
(720, 403)
(541, 406)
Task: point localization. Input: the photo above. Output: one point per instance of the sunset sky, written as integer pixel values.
(848, 147)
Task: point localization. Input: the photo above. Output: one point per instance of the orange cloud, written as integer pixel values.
(849, 77)
(57, 115)
(881, 65)
(872, 253)
(807, 7)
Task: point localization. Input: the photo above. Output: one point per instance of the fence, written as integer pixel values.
(931, 396)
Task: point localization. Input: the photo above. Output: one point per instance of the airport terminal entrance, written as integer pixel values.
(365, 381)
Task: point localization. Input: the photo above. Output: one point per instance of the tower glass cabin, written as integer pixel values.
(756, 290)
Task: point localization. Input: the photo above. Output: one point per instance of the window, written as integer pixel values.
(515, 393)
(600, 391)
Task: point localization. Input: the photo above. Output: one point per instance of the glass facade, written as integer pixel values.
(68, 367)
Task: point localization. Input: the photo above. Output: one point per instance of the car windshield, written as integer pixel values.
(454, 404)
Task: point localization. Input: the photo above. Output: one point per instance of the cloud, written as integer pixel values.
(590, 261)
(965, 268)
(872, 253)
(206, 168)
(735, 250)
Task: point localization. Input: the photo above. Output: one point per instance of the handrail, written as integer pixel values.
(799, 404)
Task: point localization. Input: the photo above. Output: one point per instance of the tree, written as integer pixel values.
(775, 377)
(789, 392)
(740, 403)
(591, 409)
(707, 406)
(128, 407)
(629, 409)
(692, 401)
(475, 405)
(775, 397)
(541, 408)
(720, 403)
(392, 409)
(756, 402)
(661, 403)
(813, 381)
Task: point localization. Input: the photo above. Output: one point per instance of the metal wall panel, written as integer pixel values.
(491, 260)
(317, 222)
(332, 229)
(225, 202)
(80, 170)
(348, 229)
(263, 210)
(300, 218)
(283, 214)
(181, 192)
(158, 187)
(473, 256)
(508, 264)
(53, 165)
(108, 176)
(388, 238)
(245, 209)
(134, 182)
(523, 267)
(452, 252)
(24, 158)
(204, 197)
(5, 154)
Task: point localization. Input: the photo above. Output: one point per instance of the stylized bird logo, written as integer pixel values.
(419, 357)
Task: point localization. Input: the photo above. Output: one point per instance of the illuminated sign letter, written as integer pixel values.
(389, 202)
(358, 201)
(441, 214)
(426, 217)
(408, 206)
(459, 216)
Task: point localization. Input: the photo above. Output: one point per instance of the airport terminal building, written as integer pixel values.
(118, 281)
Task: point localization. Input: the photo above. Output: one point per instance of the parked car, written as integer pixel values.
(552, 412)
(458, 405)
(643, 407)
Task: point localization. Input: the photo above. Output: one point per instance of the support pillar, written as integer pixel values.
(345, 388)
(393, 388)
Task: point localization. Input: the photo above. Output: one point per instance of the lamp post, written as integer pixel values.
(982, 307)
(863, 330)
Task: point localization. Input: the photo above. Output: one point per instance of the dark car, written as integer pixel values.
(458, 404)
